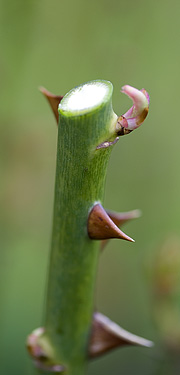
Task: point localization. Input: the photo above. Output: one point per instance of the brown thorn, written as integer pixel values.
(101, 227)
(120, 218)
(107, 335)
(53, 100)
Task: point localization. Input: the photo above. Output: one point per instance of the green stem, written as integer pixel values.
(80, 180)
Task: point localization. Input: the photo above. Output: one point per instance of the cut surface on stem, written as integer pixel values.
(86, 98)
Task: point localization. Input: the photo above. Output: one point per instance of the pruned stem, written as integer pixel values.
(88, 129)
(80, 179)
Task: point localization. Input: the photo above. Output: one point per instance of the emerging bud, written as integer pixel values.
(42, 354)
(135, 116)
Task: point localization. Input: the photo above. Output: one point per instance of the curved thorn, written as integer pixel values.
(101, 227)
(107, 335)
(53, 100)
(120, 218)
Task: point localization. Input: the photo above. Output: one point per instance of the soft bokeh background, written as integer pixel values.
(60, 44)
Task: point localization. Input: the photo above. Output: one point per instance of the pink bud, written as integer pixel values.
(134, 117)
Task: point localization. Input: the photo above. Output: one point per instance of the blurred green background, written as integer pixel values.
(60, 44)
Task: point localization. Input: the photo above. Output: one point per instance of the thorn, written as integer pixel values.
(120, 218)
(53, 100)
(107, 144)
(107, 335)
(101, 227)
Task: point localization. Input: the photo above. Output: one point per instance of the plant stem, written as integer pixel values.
(80, 180)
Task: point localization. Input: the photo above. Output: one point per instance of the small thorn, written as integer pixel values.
(107, 144)
(101, 227)
(120, 218)
(53, 100)
(107, 335)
